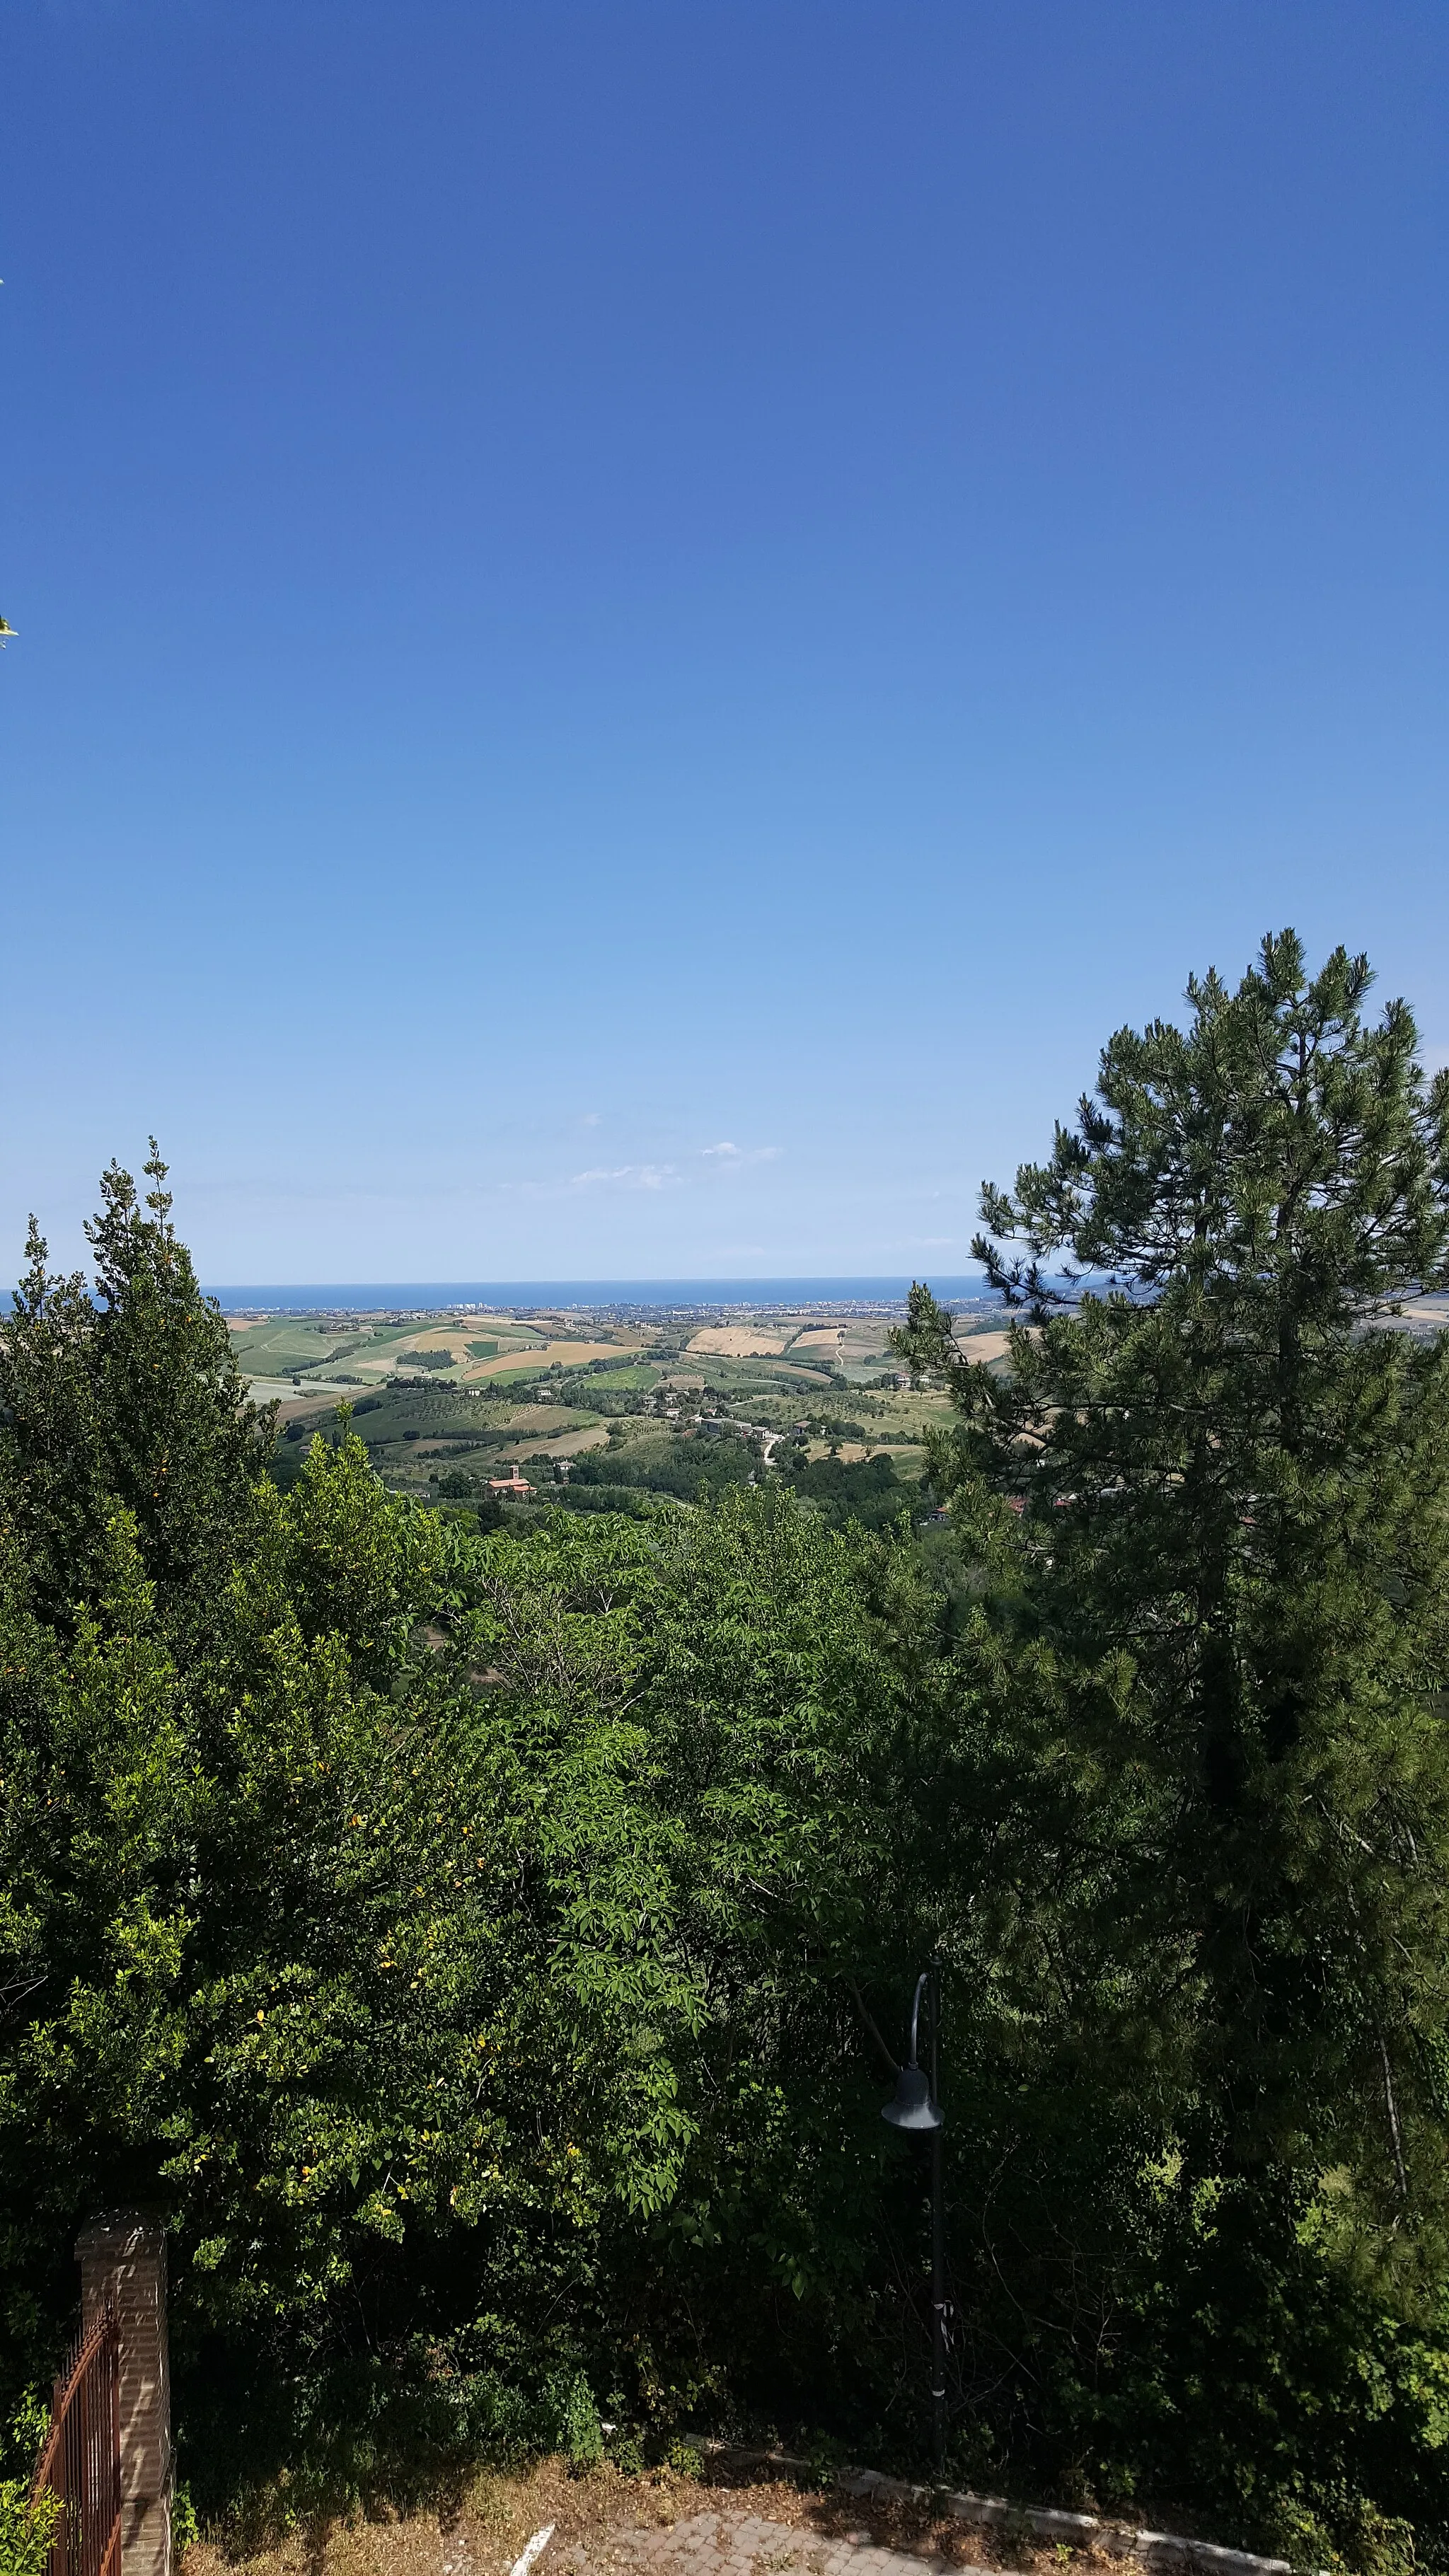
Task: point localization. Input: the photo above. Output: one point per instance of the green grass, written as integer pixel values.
(285, 1344)
(279, 1349)
(631, 1379)
(392, 1421)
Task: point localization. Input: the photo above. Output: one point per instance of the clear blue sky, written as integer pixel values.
(640, 624)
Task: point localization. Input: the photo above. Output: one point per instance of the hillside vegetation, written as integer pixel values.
(440, 1431)
(490, 1947)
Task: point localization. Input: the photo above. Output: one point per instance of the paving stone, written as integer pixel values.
(714, 2544)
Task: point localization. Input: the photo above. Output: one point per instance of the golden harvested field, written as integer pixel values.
(562, 1444)
(983, 1347)
(821, 1337)
(737, 1342)
(289, 1403)
(454, 1339)
(572, 1354)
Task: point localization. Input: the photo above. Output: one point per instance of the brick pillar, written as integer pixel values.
(123, 2260)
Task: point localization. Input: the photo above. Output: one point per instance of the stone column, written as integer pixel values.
(123, 2260)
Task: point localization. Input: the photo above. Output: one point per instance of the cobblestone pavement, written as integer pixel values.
(722, 2544)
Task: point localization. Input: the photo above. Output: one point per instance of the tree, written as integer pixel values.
(770, 1701)
(1229, 1471)
(486, 1950)
(869, 1492)
(126, 1395)
(307, 1940)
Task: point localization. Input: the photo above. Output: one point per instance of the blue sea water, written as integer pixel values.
(364, 1297)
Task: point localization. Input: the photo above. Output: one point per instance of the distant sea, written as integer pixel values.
(365, 1296)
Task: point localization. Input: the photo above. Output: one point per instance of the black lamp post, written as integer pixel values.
(916, 2107)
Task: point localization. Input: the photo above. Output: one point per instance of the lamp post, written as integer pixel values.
(915, 2106)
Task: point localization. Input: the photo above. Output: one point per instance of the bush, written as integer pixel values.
(185, 2524)
(583, 2439)
(26, 2528)
(868, 1492)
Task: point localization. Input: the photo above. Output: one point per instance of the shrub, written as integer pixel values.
(26, 2528)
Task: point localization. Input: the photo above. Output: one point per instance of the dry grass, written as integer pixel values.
(494, 2515)
(542, 1355)
(983, 1347)
(322, 1402)
(563, 1444)
(737, 1342)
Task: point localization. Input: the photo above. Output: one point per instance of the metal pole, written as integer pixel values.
(938, 2244)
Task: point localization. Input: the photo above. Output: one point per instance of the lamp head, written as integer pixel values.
(912, 2106)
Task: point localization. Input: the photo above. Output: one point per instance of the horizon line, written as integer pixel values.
(701, 1289)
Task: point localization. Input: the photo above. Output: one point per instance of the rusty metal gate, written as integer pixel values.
(80, 2462)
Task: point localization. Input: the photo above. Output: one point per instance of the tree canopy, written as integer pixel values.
(488, 1950)
(1232, 1537)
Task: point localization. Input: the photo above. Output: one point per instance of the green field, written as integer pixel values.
(849, 1438)
(279, 1349)
(287, 1344)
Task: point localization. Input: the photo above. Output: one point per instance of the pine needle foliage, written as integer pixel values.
(1213, 1483)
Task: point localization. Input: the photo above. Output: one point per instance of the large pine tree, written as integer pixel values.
(1227, 1446)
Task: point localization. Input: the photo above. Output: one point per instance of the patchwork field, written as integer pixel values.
(614, 1413)
(737, 1342)
(551, 1355)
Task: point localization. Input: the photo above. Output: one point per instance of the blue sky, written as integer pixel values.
(641, 624)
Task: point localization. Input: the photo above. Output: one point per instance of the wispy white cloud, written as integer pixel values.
(628, 1176)
(717, 1159)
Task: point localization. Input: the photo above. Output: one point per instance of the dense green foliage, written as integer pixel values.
(488, 1948)
(697, 1470)
(26, 2528)
(1223, 1585)
(866, 1491)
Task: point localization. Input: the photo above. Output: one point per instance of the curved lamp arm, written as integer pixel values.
(921, 1983)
